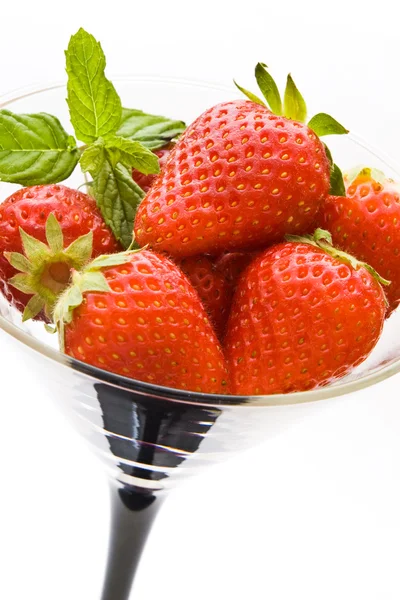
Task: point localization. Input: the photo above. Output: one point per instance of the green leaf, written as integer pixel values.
(118, 197)
(81, 249)
(21, 282)
(268, 88)
(18, 261)
(54, 234)
(294, 105)
(110, 260)
(94, 105)
(93, 158)
(152, 130)
(249, 95)
(337, 184)
(323, 124)
(361, 170)
(131, 154)
(33, 308)
(328, 155)
(94, 281)
(33, 248)
(35, 149)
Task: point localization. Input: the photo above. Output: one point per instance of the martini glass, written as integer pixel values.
(150, 438)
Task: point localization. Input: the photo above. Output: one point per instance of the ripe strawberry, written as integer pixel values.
(25, 226)
(240, 177)
(367, 223)
(232, 264)
(303, 315)
(146, 181)
(143, 320)
(212, 287)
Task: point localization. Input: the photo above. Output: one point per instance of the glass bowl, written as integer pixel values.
(150, 437)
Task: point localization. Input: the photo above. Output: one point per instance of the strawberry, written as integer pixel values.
(367, 223)
(30, 217)
(143, 320)
(241, 176)
(232, 264)
(146, 181)
(238, 178)
(303, 315)
(212, 287)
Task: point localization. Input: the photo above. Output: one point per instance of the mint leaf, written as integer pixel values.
(269, 88)
(249, 95)
(337, 184)
(118, 197)
(152, 130)
(94, 105)
(131, 154)
(323, 124)
(294, 105)
(35, 149)
(92, 159)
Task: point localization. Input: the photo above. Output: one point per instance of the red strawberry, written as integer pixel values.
(303, 315)
(144, 321)
(232, 264)
(212, 287)
(29, 209)
(239, 177)
(367, 223)
(146, 181)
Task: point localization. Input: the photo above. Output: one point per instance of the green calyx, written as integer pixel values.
(365, 173)
(323, 239)
(294, 107)
(89, 279)
(46, 269)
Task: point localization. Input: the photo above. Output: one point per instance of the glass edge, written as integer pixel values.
(181, 396)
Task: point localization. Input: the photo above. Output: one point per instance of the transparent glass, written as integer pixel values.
(149, 438)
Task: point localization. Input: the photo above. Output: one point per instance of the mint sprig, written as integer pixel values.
(118, 198)
(35, 149)
(94, 105)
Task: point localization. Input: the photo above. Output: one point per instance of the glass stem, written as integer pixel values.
(133, 513)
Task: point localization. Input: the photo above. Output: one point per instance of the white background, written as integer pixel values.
(313, 514)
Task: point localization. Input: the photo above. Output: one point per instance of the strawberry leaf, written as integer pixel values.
(54, 234)
(110, 260)
(152, 130)
(94, 281)
(323, 124)
(337, 184)
(294, 105)
(18, 261)
(268, 88)
(33, 248)
(117, 197)
(33, 308)
(368, 172)
(249, 95)
(94, 105)
(131, 154)
(35, 149)
(21, 282)
(81, 249)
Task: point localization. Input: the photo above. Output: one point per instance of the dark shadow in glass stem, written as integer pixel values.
(142, 433)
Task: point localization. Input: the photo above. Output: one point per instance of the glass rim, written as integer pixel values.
(172, 394)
